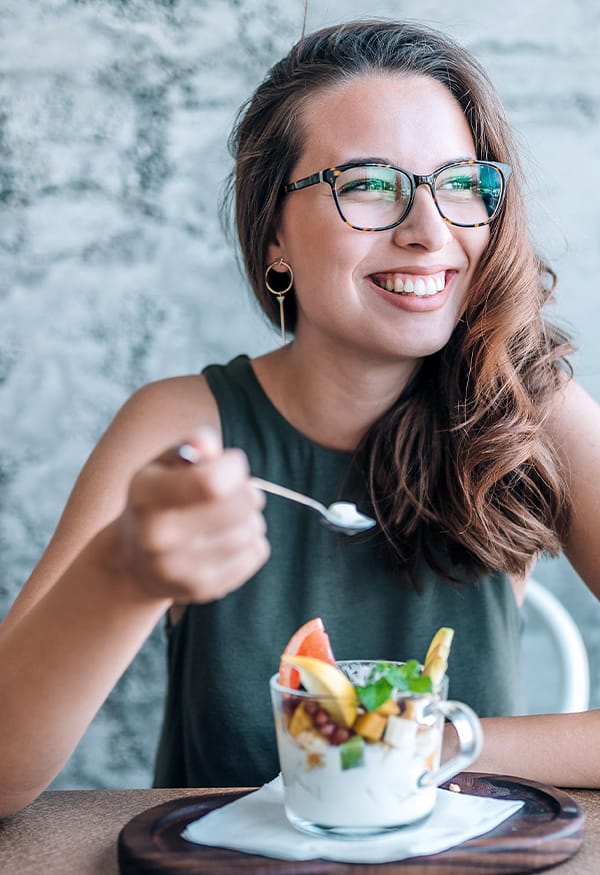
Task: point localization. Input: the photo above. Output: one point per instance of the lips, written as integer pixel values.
(416, 285)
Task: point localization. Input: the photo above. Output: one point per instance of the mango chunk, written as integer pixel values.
(371, 726)
(300, 721)
(389, 707)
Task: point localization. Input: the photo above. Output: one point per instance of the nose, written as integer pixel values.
(424, 226)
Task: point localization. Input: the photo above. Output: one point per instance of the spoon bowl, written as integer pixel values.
(341, 516)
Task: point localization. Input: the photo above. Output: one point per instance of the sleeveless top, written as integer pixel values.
(218, 723)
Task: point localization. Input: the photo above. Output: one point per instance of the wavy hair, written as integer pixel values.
(459, 470)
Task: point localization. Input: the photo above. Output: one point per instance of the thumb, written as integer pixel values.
(203, 445)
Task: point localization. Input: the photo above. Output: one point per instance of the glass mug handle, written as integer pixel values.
(470, 741)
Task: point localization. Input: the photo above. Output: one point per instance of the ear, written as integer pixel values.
(274, 250)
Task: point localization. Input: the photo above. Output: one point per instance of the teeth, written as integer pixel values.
(420, 286)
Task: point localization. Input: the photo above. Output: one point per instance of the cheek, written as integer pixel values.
(321, 251)
(474, 247)
(319, 269)
(475, 244)
(311, 226)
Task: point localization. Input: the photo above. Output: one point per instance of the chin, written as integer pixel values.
(421, 349)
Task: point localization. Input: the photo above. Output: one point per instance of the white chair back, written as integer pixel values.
(568, 647)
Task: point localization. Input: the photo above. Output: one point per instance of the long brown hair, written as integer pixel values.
(459, 469)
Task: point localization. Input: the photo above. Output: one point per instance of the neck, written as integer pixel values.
(329, 396)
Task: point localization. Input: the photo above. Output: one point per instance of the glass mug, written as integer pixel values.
(338, 784)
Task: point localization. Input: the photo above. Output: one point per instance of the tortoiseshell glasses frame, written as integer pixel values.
(471, 191)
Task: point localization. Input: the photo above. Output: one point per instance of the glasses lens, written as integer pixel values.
(372, 197)
(469, 194)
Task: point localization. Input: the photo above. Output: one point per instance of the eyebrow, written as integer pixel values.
(378, 159)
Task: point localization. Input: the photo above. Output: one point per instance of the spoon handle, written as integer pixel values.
(284, 492)
(190, 454)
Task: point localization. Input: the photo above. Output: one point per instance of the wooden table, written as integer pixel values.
(75, 831)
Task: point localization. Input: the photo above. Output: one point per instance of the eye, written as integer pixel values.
(463, 182)
(376, 185)
(367, 184)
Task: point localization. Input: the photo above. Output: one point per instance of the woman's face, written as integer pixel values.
(340, 274)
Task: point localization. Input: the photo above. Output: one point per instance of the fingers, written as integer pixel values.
(193, 524)
(205, 444)
(164, 526)
(173, 479)
(212, 566)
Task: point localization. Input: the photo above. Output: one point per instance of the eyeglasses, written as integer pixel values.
(375, 197)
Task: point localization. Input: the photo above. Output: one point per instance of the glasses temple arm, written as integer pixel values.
(305, 182)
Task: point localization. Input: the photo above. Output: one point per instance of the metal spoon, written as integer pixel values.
(341, 516)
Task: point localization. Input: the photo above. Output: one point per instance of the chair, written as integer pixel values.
(569, 648)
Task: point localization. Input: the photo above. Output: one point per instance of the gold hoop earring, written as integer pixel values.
(280, 293)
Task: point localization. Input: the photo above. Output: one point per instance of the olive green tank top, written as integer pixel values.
(218, 724)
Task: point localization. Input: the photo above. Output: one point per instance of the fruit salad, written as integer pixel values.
(357, 738)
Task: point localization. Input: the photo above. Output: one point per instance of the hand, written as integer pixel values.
(194, 532)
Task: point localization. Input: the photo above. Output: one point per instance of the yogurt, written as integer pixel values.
(380, 791)
(344, 513)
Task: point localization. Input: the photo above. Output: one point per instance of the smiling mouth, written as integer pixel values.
(409, 284)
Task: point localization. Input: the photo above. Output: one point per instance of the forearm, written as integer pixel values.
(556, 749)
(60, 661)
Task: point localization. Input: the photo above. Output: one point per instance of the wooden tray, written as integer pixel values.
(547, 830)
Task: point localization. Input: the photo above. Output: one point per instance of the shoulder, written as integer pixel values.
(573, 420)
(185, 398)
(164, 412)
(155, 417)
(573, 426)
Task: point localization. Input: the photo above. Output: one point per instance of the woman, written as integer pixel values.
(380, 212)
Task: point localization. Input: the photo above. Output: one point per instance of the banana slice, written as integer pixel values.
(401, 733)
(329, 684)
(436, 660)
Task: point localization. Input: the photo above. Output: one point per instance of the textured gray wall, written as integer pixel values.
(114, 270)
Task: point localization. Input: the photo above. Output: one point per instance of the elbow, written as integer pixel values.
(14, 802)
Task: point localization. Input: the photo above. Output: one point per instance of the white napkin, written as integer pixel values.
(256, 824)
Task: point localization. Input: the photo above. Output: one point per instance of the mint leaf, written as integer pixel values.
(422, 684)
(412, 668)
(352, 752)
(398, 677)
(404, 678)
(372, 696)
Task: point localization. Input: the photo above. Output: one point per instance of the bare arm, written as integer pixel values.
(136, 536)
(575, 429)
(59, 664)
(556, 749)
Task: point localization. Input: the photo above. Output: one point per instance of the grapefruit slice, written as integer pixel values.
(311, 639)
(328, 684)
